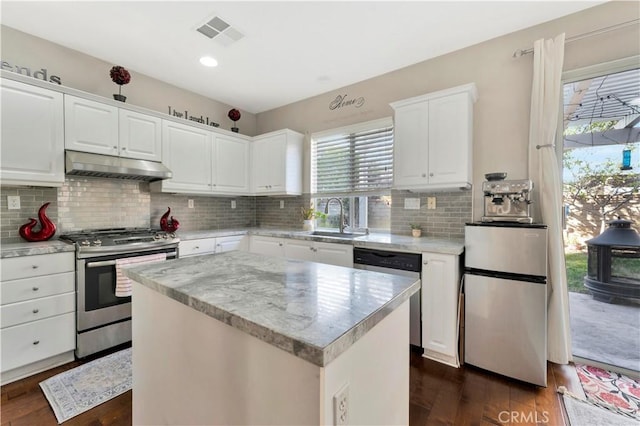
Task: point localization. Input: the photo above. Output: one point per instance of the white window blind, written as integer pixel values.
(353, 160)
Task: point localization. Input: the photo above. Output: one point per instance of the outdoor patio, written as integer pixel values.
(605, 332)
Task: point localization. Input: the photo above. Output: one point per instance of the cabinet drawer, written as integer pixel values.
(34, 266)
(37, 340)
(37, 309)
(197, 247)
(31, 288)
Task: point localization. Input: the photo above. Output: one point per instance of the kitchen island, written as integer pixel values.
(241, 338)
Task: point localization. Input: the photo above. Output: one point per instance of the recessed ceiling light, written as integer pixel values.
(208, 61)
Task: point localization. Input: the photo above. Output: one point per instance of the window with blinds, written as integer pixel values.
(353, 160)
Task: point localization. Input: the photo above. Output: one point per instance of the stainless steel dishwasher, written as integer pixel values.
(399, 263)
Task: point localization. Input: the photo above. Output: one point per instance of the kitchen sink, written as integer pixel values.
(343, 235)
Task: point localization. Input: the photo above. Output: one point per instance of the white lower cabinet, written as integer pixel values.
(37, 313)
(234, 242)
(196, 247)
(440, 295)
(202, 246)
(268, 246)
(316, 251)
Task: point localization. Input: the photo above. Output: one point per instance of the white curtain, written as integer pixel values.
(548, 57)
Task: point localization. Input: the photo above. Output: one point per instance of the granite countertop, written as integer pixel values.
(374, 241)
(311, 310)
(35, 248)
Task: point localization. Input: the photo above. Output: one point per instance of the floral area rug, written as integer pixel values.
(610, 390)
(77, 390)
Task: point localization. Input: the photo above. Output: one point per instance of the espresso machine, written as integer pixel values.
(506, 200)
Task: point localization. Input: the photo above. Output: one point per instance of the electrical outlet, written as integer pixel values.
(233, 204)
(341, 406)
(190, 203)
(282, 204)
(13, 202)
(431, 203)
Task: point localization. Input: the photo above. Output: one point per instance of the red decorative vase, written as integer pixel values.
(47, 228)
(169, 225)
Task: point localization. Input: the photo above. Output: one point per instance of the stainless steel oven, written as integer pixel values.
(103, 320)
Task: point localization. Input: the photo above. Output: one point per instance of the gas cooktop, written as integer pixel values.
(120, 237)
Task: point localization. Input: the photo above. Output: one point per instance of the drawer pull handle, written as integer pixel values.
(35, 311)
(35, 289)
(34, 266)
(36, 342)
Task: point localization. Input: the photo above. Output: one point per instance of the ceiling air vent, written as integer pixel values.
(217, 29)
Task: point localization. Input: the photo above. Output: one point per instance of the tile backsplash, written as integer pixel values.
(85, 203)
(208, 213)
(453, 210)
(31, 198)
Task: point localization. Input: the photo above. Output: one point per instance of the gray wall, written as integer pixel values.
(501, 126)
(84, 72)
(501, 122)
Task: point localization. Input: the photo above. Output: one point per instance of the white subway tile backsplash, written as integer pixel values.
(85, 203)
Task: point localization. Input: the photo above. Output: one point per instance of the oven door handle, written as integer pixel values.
(113, 262)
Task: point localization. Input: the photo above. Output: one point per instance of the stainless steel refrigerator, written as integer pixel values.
(506, 299)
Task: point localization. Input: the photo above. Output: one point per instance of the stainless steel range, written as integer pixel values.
(103, 320)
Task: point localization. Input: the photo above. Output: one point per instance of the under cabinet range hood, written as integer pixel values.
(107, 166)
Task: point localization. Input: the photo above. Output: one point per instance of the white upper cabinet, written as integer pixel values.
(90, 126)
(230, 167)
(187, 153)
(203, 162)
(104, 129)
(32, 135)
(433, 140)
(277, 163)
(140, 136)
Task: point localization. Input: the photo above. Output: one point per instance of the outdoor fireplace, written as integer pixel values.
(613, 266)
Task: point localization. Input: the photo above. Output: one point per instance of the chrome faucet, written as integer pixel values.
(326, 210)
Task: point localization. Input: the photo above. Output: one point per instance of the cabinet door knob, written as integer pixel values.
(280, 244)
(35, 289)
(124, 148)
(431, 174)
(35, 311)
(426, 262)
(115, 147)
(424, 175)
(196, 247)
(36, 342)
(34, 266)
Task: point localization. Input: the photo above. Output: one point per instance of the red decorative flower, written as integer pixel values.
(119, 75)
(234, 114)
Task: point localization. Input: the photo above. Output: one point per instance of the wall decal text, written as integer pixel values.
(342, 101)
(186, 116)
(41, 74)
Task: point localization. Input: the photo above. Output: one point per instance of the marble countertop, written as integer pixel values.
(35, 248)
(311, 310)
(374, 241)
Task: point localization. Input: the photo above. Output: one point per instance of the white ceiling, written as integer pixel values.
(290, 51)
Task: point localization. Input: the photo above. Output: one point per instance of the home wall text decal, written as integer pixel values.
(186, 116)
(342, 101)
(40, 74)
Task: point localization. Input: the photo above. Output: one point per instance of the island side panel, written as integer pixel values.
(189, 368)
(376, 371)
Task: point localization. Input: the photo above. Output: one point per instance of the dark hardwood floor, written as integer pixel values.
(439, 395)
